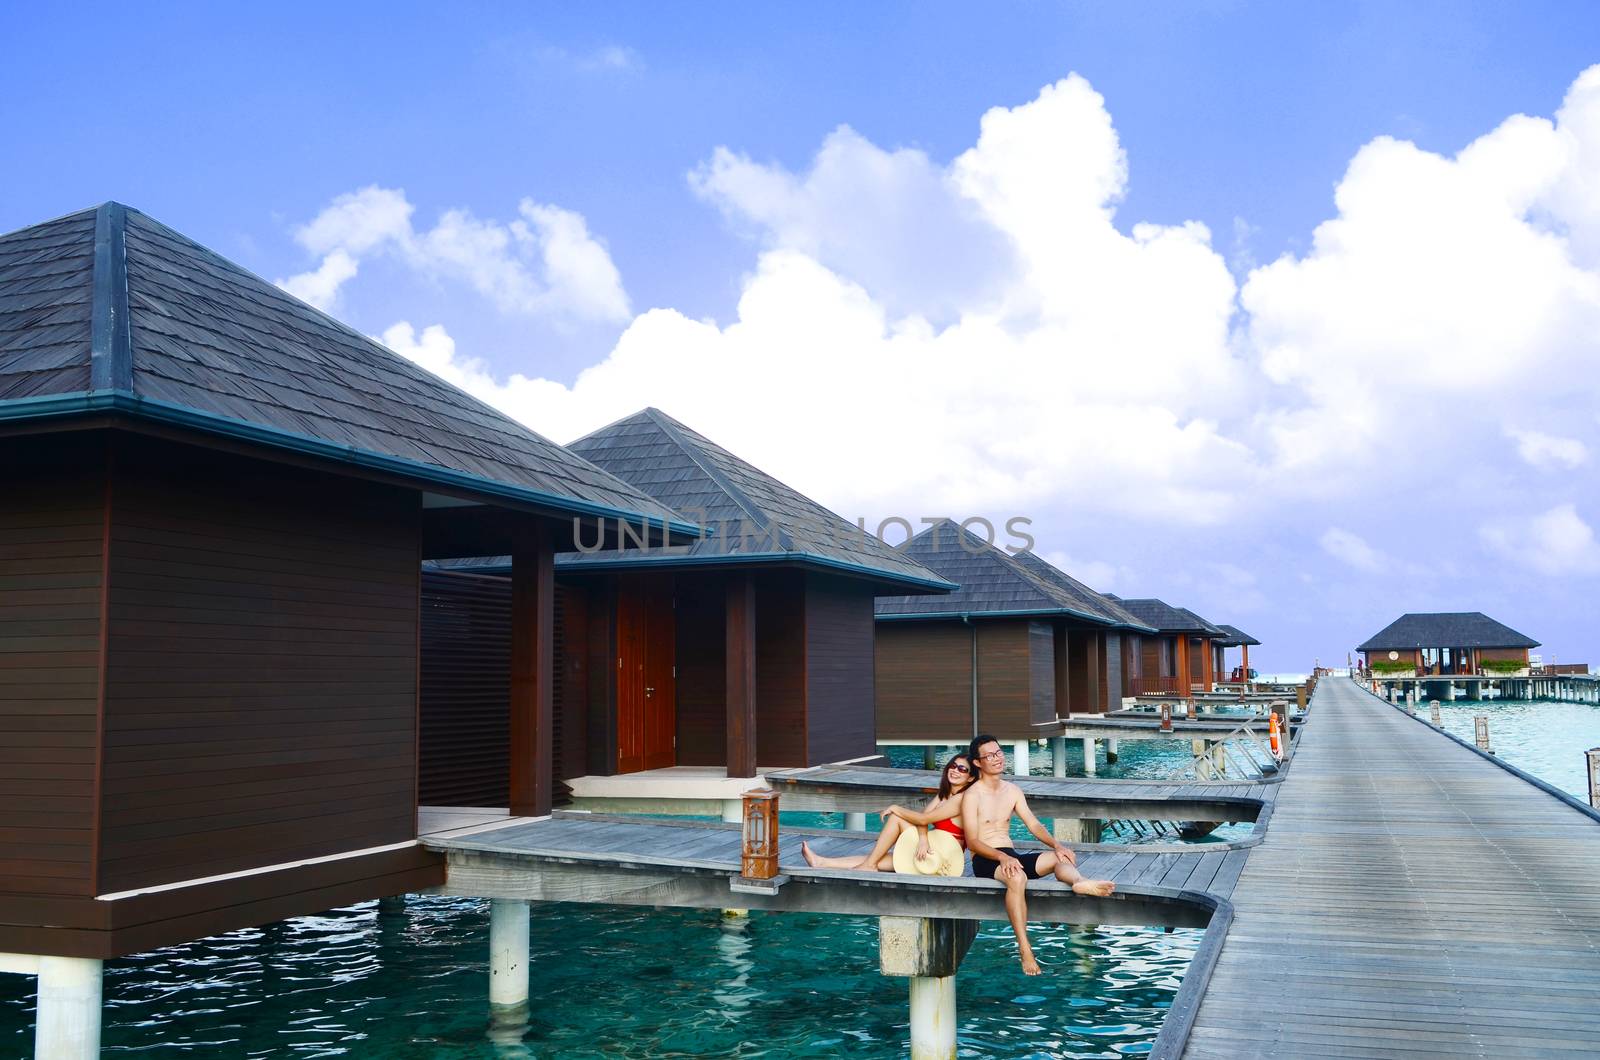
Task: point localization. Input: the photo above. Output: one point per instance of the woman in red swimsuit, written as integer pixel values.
(955, 778)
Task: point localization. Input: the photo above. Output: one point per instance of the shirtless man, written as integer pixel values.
(986, 811)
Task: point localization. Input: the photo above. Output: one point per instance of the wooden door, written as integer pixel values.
(660, 681)
(646, 687)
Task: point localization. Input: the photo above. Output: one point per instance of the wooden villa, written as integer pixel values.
(216, 503)
(679, 669)
(1236, 638)
(1184, 655)
(1018, 647)
(1443, 644)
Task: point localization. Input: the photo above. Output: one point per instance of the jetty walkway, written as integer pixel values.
(1411, 898)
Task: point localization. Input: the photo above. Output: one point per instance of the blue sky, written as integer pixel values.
(1227, 480)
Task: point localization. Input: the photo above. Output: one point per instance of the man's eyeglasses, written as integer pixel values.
(996, 753)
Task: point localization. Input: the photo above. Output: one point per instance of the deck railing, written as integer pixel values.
(1155, 686)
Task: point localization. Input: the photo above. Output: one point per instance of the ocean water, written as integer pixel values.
(612, 982)
(1544, 737)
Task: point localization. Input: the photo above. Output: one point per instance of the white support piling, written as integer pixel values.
(1058, 756)
(1019, 758)
(1480, 731)
(733, 811)
(1089, 763)
(855, 822)
(1111, 750)
(933, 1017)
(68, 1020)
(1433, 711)
(508, 959)
(1450, 690)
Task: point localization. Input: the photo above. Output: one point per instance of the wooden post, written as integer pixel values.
(1433, 711)
(1207, 677)
(1593, 755)
(1185, 682)
(1244, 670)
(740, 624)
(533, 595)
(1480, 729)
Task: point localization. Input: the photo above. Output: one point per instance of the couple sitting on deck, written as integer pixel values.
(985, 804)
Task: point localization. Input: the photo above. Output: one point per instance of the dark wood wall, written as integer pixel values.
(261, 686)
(702, 675)
(840, 707)
(781, 669)
(52, 530)
(923, 680)
(1085, 669)
(466, 690)
(1111, 686)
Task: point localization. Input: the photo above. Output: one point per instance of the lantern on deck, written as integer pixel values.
(760, 860)
(1166, 717)
(1190, 709)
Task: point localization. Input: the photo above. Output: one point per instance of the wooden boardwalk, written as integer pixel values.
(1410, 899)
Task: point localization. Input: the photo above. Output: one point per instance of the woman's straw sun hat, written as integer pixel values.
(945, 856)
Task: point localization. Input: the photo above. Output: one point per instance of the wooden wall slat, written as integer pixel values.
(841, 715)
(52, 525)
(188, 526)
(922, 678)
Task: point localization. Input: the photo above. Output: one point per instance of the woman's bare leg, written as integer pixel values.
(876, 860)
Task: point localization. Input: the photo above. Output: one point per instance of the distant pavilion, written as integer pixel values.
(1446, 643)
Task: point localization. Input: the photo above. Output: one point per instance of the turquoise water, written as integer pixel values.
(612, 982)
(1545, 737)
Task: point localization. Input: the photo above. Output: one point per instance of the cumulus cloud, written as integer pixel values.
(1351, 550)
(1442, 285)
(1075, 360)
(1097, 574)
(542, 263)
(1548, 450)
(1556, 542)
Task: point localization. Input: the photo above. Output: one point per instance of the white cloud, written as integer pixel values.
(543, 263)
(320, 287)
(1097, 574)
(1352, 550)
(1443, 286)
(1548, 450)
(1077, 362)
(1556, 542)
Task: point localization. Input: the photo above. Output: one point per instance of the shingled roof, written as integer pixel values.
(1168, 619)
(1446, 629)
(1097, 602)
(749, 516)
(107, 311)
(992, 582)
(1236, 636)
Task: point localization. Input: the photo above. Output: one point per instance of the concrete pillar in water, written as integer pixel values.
(68, 1020)
(930, 757)
(508, 959)
(1089, 764)
(1450, 691)
(1058, 756)
(1077, 830)
(928, 952)
(855, 822)
(1019, 757)
(933, 1017)
(733, 811)
(1111, 751)
(392, 905)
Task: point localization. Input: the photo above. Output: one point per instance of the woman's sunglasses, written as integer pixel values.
(959, 768)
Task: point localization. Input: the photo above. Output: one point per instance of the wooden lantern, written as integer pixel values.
(1593, 755)
(1190, 707)
(760, 860)
(1166, 717)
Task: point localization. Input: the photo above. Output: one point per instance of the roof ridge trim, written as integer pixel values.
(733, 559)
(670, 429)
(110, 338)
(58, 406)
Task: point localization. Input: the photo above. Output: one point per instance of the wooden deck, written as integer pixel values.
(870, 788)
(1410, 899)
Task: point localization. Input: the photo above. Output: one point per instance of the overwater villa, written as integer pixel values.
(1017, 648)
(1446, 643)
(218, 501)
(1183, 655)
(679, 670)
(1236, 638)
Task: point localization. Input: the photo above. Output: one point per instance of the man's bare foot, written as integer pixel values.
(1029, 965)
(1093, 888)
